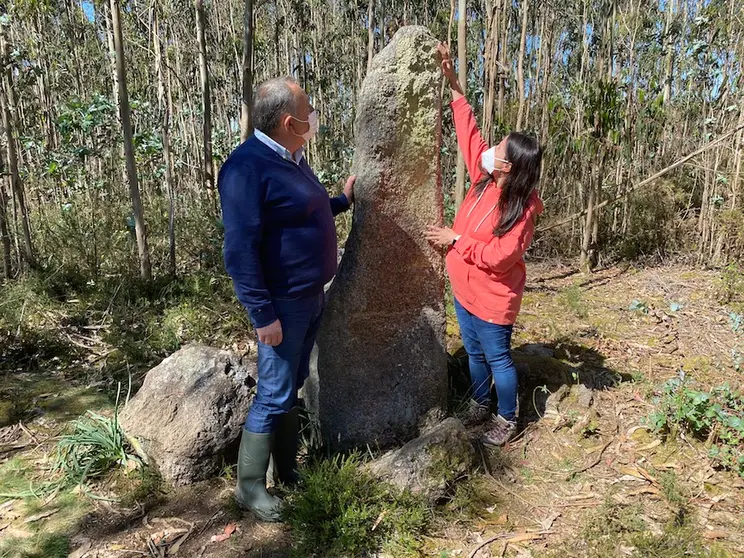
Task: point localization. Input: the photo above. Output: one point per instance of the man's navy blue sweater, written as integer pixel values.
(280, 238)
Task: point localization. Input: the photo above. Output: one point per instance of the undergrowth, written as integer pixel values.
(104, 329)
(616, 530)
(343, 511)
(715, 416)
(95, 445)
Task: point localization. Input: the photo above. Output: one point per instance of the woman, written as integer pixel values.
(492, 230)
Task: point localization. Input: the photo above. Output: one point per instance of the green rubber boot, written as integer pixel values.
(284, 450)
(253, 461)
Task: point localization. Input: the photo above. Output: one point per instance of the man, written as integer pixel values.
(280, 250)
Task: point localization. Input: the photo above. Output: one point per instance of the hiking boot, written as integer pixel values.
(475, 413)
(284, 448)
(253, 462)
(499, 432)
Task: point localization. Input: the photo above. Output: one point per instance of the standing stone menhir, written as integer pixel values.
(381, 357)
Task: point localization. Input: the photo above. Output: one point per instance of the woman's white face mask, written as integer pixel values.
(312, 121)
(489, 159)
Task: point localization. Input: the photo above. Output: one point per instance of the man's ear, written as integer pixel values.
(285, 122)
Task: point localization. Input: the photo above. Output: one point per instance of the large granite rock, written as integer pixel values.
(381, 356)
(429, 464)
(190, 411)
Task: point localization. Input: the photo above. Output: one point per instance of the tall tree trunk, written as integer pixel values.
(112, 58)
(492, 69)
(126, 126)
(669, 44)
(588, 227)
(545, 85)
(9, 109)
(505, 24)
(246, 121)
(166, 109)
(738, 146)
(520, 64)
(208, 163)
(4, 236)
(462, 56)
(370, 34)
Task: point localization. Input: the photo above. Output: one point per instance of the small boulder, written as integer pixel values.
(429, 464)
(190, 410)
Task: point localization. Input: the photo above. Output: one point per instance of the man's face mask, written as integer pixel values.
(312, 121)
(489, 159)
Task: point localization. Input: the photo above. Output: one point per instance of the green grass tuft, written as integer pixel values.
(339, 510)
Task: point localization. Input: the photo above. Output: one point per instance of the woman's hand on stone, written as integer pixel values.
(440, 236)
(448, 67)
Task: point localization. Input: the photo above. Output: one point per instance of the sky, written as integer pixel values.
(88, 9)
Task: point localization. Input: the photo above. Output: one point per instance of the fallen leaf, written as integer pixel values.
(226, 534)
(644, 490)
(41, 515)
(646, 475)
(522, 537)
(503, 519)
(629, 433)
(715, 534)
(580, 497)
(547, 523)
(116, 547)
(167, 536)
(379, 519)
(592, 449)
(650, 446)
(173, 550)
(80, 551)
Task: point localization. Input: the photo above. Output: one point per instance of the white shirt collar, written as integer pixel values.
(278, 148)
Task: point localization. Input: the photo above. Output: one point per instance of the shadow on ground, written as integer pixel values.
(543, 368)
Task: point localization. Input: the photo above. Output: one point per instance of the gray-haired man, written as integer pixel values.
(280, 250)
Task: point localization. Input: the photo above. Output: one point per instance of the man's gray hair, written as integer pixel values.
(273, 99)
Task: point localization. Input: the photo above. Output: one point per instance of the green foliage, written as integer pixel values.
(40, 545)
(616, 530)
(653, 228)
(95, 445)
(472, 498)
(730, 288)
(716, 416)
(671, 488)
(638, 306)
(732, 229)
(573, 297)
(340, 510)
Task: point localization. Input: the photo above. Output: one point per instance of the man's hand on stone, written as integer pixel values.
(349, 188)
(440, 236)
(271, 335)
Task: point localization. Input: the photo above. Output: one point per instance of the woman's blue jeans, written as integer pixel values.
(489, 357)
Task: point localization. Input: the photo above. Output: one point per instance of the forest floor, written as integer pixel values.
(597, 471)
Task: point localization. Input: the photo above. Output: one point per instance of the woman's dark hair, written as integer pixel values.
(525, 156)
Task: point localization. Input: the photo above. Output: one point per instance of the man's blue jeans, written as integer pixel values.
(282, 370)
(489, 356)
